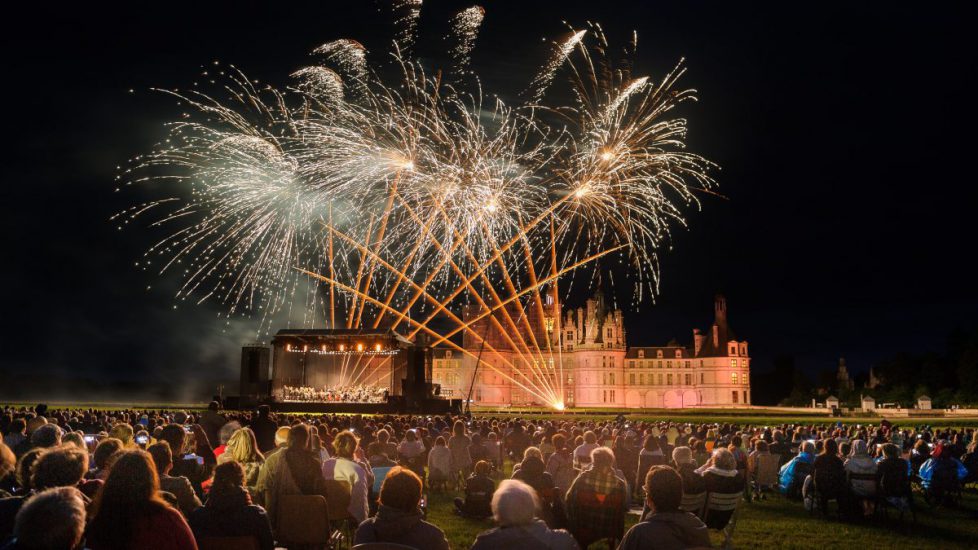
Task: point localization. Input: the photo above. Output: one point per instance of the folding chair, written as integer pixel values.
(766, 469)
(693, 503)
(338, 494)
(590, 506)
(303, 519)
(720, 514)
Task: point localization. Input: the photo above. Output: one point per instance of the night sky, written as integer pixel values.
(845, 133)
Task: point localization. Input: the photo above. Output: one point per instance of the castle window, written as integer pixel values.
(679, 353)
(631, 364)
(660, 379)
(687, 364)
(641, 379)
(735, 397)
(631, 378)
(669, 379)
(733, 377)
(702, 378)
(608, 332)
(611, 377)
(658, 354)
(659, 364)
(733, 363)
(733, 349)
(641, 354)
(689, 379)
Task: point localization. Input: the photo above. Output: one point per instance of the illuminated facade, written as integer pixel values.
(583, 361)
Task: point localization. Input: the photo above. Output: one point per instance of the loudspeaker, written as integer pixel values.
(254, 370)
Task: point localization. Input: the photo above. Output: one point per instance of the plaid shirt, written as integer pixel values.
(596, 503)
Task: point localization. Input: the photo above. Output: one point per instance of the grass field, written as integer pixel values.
(776, 522)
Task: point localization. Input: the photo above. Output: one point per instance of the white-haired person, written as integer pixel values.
(665, 526)
(514, 508)
(54, 518)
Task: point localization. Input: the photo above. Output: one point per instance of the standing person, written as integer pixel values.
(243, 449)
(264, 428)
(348, 466)
(128, 512)
(229, 511)
(458, 444)
(212, 421)
(665, 527)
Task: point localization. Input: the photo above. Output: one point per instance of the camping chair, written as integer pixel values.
(693, 503)
(227, 543)
(857, 499)
(766, 469)
(720, 514)
(591, 506)
(303, 519)
(338, 495)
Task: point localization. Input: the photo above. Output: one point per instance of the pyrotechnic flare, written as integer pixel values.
(408, 200)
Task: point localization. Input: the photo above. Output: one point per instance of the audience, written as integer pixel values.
(348, 465)
(242, 447)
(398, 518)
(514, 507)
(297, 472)
(602, 484)
(479, 489)
(178, 486)
(861, 470)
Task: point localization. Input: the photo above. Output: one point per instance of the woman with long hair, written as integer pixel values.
(349, 465)
(458, 444)
(242, 448)
(128, 512)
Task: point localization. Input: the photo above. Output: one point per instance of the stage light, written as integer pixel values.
(324, 347)
(288, 347)
(305, 348)
(342, 347)
(377, 347)
(359, 347)
(559, 405)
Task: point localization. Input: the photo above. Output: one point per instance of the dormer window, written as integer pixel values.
(658, 354)
(679, 353)
(641, 354)
(733, 349)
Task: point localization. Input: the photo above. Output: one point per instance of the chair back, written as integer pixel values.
(228, 543)
(591, 523)
(768, 467)
(380, 473)
(693, 503)
(303, 519)
(338, 493)
(723, 502)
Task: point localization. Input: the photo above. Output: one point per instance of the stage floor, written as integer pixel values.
(394, 406)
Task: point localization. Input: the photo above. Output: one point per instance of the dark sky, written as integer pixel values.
(845, 132)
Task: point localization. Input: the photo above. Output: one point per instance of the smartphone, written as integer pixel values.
(90, 439)
(200, 460)
(187, 429)
(142, 439)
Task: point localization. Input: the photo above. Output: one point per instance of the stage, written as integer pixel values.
(394, 405)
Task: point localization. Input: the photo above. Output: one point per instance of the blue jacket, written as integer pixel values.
(788, 470)
(928, 469)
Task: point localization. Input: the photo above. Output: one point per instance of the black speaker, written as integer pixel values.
(254, 370)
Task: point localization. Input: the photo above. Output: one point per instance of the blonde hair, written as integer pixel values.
(242, 447)
(123, 432)
(345, 444)
(532, 451)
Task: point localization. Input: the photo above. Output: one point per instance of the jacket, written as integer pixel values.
(936, 468)
(535, 536)
(180, 487)
(787, 475)
(398, 526)
(667, 531)
(862, 464)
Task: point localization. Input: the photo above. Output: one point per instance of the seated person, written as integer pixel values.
(514, 508)
(439, 463)
(861, 470)
(720, 474)
(941, 472)
(54, 518)
(683, 462)
(665, 527)
(828, 477)
(398, 518)
(792, 475)
(478, 493)
(590, 522)
(229, 511)
(894, 478)
(179, 486)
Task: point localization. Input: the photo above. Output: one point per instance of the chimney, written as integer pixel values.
(720, 309)
(697, 341)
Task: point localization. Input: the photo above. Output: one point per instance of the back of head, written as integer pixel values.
(51, 520)
(282, 436)
(264, 411)
(859, 447)
(514, 503)
(299, 437)
(830, 447)
(481, 468)
(602, 458)
(724, 459)
(162, 456)
(891, 451)
(130, 492)
(105, 450)
(47, 435)
(228, 477)
(59, 467)
(345, 444)
(175, 435)
(123, 432)
(808, 447)
(25, 466)
(682, 455)
(664, 488)
(590, 437)
(226, 431)
(401, 489)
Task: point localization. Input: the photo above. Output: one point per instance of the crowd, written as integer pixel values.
(359, 393)
(168, 479)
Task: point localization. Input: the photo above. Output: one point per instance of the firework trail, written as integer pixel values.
(407, 199)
